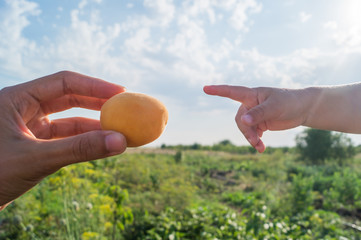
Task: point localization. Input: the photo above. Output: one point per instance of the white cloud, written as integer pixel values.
(186, 54)
(266, 70)
(331, 25)
(195, 9)
(194, 55)
(164, 10)
(13, 45)
(237, 65)
(140, 41)
(346, 35)
(304, 17)
(239, 17)
(87, 46)
(89, 49)
(300, 68)
(345, 26)
(237, 12)
(84, 3)
(349, 38)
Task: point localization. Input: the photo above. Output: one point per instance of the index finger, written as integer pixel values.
(237, 93)
(65, 82)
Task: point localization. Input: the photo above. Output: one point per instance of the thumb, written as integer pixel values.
(257, 114)
(83, 147)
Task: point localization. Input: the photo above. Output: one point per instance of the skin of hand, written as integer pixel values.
(335, 108)
(33, 147)
(262, 109)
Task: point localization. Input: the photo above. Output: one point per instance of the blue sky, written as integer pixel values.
(170, 49)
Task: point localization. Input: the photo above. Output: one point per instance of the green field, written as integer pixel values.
(192, 193)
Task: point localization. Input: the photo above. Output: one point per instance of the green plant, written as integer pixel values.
(301, 196)
(178, 157)
(315, 146)
(150, 196)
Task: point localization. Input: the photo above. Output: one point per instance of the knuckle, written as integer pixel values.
(260, 89)
(5, 95)
(53, 132)
(264, 90)
(239, 123)
(82, 150)
(64, 73)
(241, 111)
(73, 101)
(64, 79)
(89, 147)
(5, 90)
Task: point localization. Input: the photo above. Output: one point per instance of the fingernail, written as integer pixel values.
(206, 88)
(115, 143)
(247, 119)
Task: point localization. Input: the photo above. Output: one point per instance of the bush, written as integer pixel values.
(178, 157)
(315, 146)
(346, 187)
(301, 194)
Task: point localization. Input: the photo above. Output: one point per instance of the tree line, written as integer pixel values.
(314, 146)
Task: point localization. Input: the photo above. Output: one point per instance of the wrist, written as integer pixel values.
(310, 101)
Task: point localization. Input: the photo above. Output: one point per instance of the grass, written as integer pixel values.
(153, 193)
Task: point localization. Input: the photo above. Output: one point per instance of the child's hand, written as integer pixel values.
(264, 109)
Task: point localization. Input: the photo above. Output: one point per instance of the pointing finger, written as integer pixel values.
(237, 93)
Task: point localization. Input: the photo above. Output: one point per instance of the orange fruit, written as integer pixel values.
(139, 117)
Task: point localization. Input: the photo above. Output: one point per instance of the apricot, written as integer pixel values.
(139, 117)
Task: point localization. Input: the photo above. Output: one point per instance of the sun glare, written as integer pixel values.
(350, 13)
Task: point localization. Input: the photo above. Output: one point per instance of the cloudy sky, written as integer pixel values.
(170, 49)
